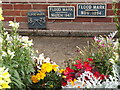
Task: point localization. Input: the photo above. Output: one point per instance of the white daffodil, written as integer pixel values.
(4, 54)
(11, 53)
(40, 59)
(25, 41)
(1, 10)
(1, 40)
(14, 25)
(116, 45)
(112, 61)
(46, 60)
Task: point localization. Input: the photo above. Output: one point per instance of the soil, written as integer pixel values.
(59, 48)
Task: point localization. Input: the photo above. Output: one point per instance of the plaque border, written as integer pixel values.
(93, 4)
(61, 18)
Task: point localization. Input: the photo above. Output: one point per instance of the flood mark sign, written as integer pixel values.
(91, 10)
(36, 20)
(61, 12)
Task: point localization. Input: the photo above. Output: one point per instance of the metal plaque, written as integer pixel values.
(91, 10)
(36, 20)
(61, 12)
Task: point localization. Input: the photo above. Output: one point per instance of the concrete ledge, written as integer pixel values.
(63, 33)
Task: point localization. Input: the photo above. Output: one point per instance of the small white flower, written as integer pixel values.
(1, 40)
(47, 60)
(112, 61)
(25, 41)
(11, 53)
(14, 25)
(4, 53)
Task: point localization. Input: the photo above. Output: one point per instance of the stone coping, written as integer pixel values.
(58, 1)
(63, 33)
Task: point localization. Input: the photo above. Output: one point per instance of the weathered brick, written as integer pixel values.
(7, 6)
(109, 6)
(100, 19)
(22, 6)
(82, 19)
(8, 18)
(52, 4)
(40, 6)
(58, 20)
(110, 12)
(11, 13)
(21, 19)
(24, 12)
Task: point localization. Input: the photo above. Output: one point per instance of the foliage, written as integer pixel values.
(4, 78)
(46, 73)
(99, 60)
(16, 54)
(116, 19)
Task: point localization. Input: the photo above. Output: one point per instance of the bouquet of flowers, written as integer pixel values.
(96, 67)
(46, 73)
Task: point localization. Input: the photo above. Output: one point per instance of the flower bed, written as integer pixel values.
(97, 66)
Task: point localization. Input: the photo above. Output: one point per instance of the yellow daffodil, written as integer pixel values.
(34, 79)
(61, 70)
(47, 67)
(51, 86)
(1, 17)
(55, 67)
(72, 82)
(40, 75)
(4, 78)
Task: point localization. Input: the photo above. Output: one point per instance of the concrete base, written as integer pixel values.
(63, 33)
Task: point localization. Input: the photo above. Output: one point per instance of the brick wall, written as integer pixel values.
(16, 10)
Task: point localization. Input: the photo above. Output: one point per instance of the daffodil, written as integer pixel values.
(55, 67)
(4, 78)
(40, 75)
(1, 17)
(14, 25)
(47, 67)
(34, 79)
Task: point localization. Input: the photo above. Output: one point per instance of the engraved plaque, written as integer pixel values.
(36, 20)
(91, 10)
(61, 12)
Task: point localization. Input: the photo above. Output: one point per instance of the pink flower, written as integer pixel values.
(79, 61)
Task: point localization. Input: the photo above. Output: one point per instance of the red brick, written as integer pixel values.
(58, 20)
(11, 13)
(100, 19)
(40, 6)
(83, 19)
(21, 19)
(60, 4)
(7, 6)
(24, 12)
(110, 12)
(8, 18)
(119, 12)
(109, 6)
(22, 6)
